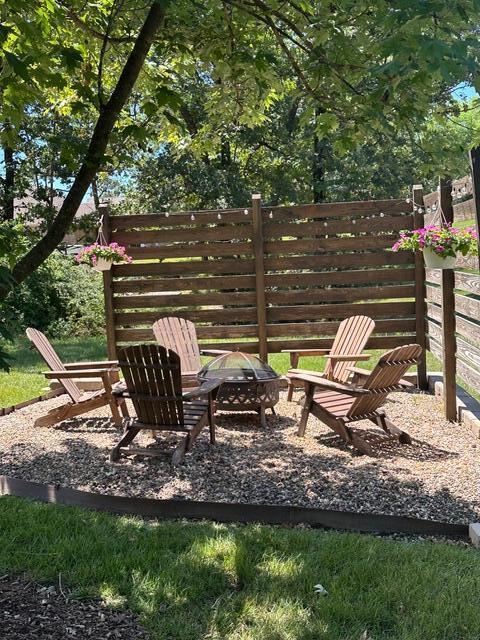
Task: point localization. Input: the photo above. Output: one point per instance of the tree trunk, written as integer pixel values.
(318, 164)
(9, 184)
(97, 147)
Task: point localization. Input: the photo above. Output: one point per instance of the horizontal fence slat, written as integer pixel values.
(469, 375)
(340, 311)
(146, 220)
(189, 284)
(403, 325)
(341, 294)
(183, 300)
(197, 250)
(220, 316)
(367, 259)
(336, 209)
(224, 266)
(199, 234)
(306, 229)
(329, 245)
(469, 307)
(467, 329)
(469, 282)
(330, 278)
(376, 342)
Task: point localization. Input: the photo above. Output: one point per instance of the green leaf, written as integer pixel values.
(19, 67)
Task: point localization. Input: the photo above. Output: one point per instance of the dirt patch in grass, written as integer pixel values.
(31, 611)
(436, 477)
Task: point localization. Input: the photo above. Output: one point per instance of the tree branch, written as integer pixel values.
(97, 147)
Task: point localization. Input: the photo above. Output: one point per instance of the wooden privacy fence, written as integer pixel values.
(263, 279)
(453, 297)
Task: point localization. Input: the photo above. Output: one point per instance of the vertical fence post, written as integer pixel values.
(475, 171)
(259, 275)
(420, 305)
(108, 288)
(449, 342)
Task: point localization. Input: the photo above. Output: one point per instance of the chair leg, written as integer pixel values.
(124, 409)
(290, 390)
(307, 405)
(392, 429)
(211, 421)
(180, 451)
(128, 435)
(263, 419)
(117, 418)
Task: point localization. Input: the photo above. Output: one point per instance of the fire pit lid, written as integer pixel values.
(237, 366)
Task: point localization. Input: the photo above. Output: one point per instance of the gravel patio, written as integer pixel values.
(437, 477)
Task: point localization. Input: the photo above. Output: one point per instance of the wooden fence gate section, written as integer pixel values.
(264, 279)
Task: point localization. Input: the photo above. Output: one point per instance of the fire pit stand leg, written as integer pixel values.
(263, 420)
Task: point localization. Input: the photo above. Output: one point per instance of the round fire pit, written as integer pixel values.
(249, 384)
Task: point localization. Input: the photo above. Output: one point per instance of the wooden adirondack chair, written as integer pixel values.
(338, 405)
(80, 402)
(180, 336)
(350, 340)
(153, 380)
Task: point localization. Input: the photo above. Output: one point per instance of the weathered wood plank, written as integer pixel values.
(465, 281)
(259, 252)
(404, 325)
(340, 311)
(173, 220)
(183, 300)
(213, 283)
(224, 266)
(373, 259)
(467, 329)
(303, 229)
(340, 294)
(376, 342)
(469, 375)
(220, 316)
(193, 234)
(196, 250)
(329, 245)
(337, 209)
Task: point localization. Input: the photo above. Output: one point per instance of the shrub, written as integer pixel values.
(60, 298)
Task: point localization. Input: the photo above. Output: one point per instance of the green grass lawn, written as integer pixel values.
(25, 381)
(194, 581)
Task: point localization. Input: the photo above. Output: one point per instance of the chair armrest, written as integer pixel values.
(307, 352)
(203, 390)
(323, 383)
(77, 373)
(349, 357)
(214, 352)
(91, 365)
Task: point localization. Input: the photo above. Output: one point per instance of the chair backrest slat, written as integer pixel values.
(53, 362)
(154, 372)
(180, 336)
(388, 372)
(352, 336)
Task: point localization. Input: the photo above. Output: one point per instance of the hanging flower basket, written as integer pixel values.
(102, 256)
(440, 244)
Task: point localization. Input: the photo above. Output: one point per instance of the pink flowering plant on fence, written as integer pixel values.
(112, 252)
(445, 241)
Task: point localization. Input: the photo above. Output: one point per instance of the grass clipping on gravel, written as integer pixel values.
(202, 580)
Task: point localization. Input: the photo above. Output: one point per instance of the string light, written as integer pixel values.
(167, 214)
(382, 215)
(192, 217)
(354, 222)
(415, 209)
(219, 216)
(245, 211)
(325, 224)
(408, 200)
(429, 210)
(270, 215)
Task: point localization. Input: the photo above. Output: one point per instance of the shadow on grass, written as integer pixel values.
(191, 581)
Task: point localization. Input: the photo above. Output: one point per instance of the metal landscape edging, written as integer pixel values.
(229, 512)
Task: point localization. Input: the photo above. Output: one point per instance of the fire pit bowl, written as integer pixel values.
(249, 384)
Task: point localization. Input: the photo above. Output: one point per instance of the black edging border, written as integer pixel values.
(53, 393)
(229, 512)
